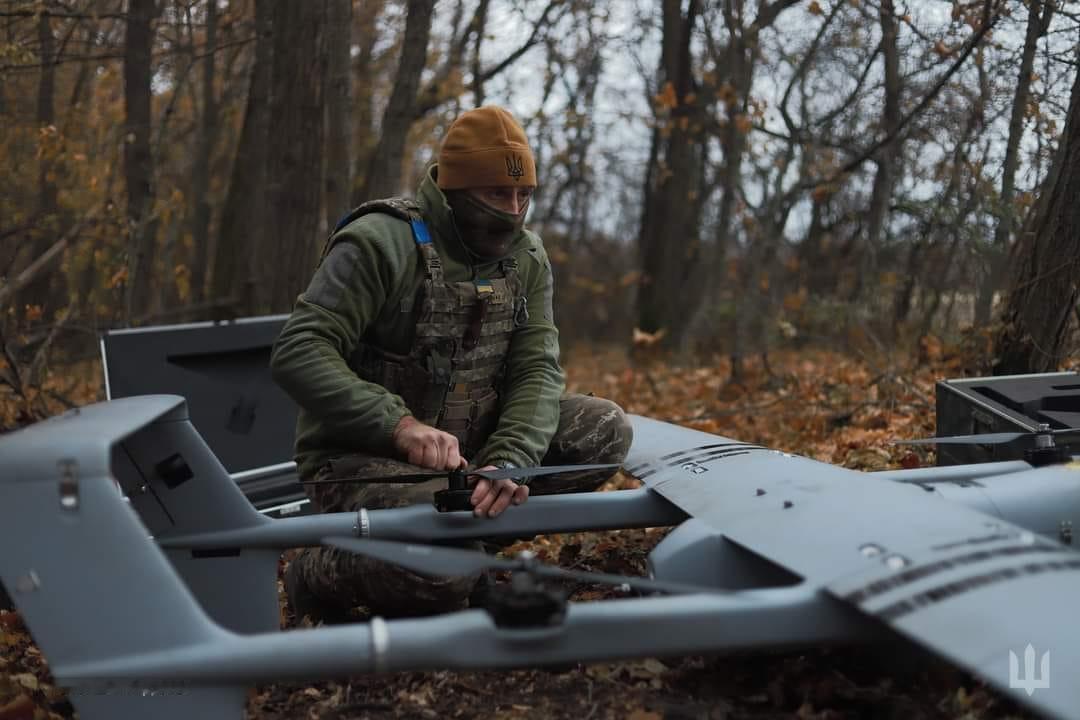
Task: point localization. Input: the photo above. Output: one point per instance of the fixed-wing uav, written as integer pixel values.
(149, 580)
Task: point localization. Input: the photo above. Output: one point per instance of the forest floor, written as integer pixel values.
(842, 409)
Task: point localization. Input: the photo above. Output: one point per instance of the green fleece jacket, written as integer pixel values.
(358, 292)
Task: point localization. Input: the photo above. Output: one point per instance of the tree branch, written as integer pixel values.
(44, 260)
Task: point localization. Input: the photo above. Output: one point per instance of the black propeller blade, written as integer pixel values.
(444, 561)
(986, 438)
(498, 474)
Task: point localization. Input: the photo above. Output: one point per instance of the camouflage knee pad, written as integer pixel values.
(349, 580)
(591, 430)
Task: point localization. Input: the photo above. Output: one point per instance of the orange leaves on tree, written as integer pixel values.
(815, 8)
(182, 276)
(118, 278)
(793, 302)
(727, 94)
(942, 50)
(34, 312)
(666, 99)
(823, 191)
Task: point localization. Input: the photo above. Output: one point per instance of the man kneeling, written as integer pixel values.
(426, 340)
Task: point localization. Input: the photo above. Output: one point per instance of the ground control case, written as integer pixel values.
(1009, 403)
(223, 370)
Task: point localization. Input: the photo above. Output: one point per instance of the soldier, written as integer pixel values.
(426, 340)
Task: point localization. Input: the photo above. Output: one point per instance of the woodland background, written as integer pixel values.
(777, 220)
(722, 176)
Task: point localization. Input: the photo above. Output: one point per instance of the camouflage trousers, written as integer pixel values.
(591, 430)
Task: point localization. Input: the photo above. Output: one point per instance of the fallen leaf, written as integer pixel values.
(21, 708)
(655, 666)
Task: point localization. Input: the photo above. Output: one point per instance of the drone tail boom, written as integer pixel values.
(87, 580)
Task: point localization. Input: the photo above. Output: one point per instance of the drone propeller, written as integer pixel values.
(497, 474)
(443, 561)
(1000, 438)
(984, 439)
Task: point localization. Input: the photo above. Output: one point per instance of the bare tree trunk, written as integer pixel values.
(37, 292)
(200, 185)
(338, 46)
(477, 74)
(1039, 15)
(385, 169)
(138, 160)
(294, 170)
(888, 157)
(365, 139)
(669, 241)
(746, 322)
(169, 245)
(1046, 266)
(937, 224)
(238, 260)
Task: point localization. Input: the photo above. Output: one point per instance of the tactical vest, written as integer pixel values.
(452, 375)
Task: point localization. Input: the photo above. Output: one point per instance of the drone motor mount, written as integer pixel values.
(526, 603)
(1046, 452)
(456, 496)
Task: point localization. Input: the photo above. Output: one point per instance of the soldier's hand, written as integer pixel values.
(490, 498)
(426, 446)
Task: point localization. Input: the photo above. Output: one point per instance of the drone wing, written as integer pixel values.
(987, 595)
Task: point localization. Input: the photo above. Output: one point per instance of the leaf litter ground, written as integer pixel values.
(830, 407)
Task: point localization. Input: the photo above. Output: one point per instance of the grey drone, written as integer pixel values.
(149, 580)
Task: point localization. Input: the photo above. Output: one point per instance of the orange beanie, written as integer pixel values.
(485, 147)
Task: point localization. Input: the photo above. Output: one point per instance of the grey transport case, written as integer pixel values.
(223, 370)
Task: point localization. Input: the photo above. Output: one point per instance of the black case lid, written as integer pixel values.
(223, 370)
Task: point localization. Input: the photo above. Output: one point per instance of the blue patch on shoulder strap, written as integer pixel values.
(420, 232)
(345, 220)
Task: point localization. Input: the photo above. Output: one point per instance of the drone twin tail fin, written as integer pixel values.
(178, 487)
(79, 565)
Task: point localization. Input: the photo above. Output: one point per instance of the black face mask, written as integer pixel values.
(486, 232)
